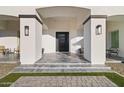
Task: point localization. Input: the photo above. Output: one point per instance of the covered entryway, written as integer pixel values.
(63, 29)
(86, 33)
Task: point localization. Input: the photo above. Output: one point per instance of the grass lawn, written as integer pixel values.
(12, 77)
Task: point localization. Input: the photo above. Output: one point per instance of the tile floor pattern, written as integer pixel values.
(61, 62)
(63, 81)
(9, 58)
(62, 58)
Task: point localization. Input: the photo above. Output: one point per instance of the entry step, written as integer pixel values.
(60, 68)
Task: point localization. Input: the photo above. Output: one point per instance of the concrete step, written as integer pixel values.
(61, 68)
(69, 63)
(58, 65)
(113, 61)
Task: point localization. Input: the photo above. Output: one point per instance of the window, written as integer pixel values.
(98, 29)
(26, 30)
(115, 39)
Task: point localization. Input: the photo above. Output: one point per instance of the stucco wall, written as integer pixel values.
(112, 26)
(62, 25)
(38, 40)
(87, 40)
(95, 45)
(30, 46)
(27, 43)
(98, 42)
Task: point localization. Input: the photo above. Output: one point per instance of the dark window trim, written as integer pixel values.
(31, 16)
(94, 16)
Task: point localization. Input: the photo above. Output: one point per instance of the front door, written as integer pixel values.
(62, 41)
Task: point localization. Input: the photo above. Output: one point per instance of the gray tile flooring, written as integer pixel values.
(9, 58)
(61, 62)
(63, 81)
(115, 59)
(62, 58)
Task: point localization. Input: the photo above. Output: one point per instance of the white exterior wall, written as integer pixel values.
(95, 45)
(49, 41)
(30, 48)
(87, 40)
(113, 26)
(38, 40)
(27, 43)
(98, 42)
(76, 41)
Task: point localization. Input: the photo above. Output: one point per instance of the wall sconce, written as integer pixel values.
(98, 29)
(26, 30)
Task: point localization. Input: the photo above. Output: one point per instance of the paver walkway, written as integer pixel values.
(63, 81)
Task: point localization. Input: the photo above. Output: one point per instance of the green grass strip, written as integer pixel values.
(12, 77)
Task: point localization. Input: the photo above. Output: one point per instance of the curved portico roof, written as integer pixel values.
(63, 11)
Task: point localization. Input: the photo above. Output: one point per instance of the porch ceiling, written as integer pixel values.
(63, 11)
(9, 23)
(6, 18)
(116, 18)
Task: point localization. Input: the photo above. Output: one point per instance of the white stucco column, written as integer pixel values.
(95, 39)
(30, 39)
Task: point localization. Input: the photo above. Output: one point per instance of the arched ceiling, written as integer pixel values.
(63, 11)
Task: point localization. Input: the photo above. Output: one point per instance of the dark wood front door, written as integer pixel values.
(62, 41)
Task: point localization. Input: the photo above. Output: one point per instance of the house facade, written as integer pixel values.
(34, 30)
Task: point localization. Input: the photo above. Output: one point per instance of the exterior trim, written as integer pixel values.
(31, 16)
(94, 16)
(86, 20)
(98, 16)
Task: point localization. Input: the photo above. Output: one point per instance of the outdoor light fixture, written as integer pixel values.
(26, 30)
(98, 29)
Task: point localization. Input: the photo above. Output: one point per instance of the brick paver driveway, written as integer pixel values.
(63, 81)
